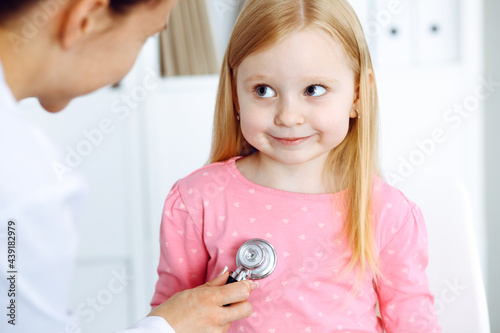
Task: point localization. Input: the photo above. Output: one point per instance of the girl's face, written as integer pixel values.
(296, 97)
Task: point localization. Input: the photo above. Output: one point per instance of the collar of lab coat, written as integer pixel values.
(7, 99)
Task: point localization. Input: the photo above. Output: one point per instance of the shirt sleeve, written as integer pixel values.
(183, 256)
(151, 324)
(406, 303)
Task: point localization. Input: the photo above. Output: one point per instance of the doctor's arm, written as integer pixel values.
(201, 309)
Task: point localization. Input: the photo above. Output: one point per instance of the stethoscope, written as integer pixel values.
(255, 259)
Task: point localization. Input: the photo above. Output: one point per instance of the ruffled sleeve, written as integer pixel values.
(406, 303)
(183, 256)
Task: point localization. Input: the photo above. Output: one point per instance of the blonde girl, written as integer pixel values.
(294, 161)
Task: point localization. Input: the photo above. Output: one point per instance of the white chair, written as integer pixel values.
(454, 270)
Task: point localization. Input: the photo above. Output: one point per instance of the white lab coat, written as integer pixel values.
(43, 210)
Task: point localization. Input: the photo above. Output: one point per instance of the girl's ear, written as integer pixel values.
(235, 94)
(355, 104)
(83, 17)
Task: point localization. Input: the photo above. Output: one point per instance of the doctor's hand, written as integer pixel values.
(202, 309)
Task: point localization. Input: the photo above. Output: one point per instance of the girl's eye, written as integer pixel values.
(315, 91)
(265, 91)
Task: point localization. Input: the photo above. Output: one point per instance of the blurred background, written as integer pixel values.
(438, 75)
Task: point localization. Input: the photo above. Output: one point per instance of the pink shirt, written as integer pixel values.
(211, 212)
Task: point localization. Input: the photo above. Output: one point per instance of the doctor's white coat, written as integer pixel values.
(41, 210)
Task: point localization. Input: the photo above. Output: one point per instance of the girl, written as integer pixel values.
(294, 162)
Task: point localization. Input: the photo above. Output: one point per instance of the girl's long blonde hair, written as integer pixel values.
(353, 163)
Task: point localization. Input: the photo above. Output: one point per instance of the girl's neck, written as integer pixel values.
(298, 178)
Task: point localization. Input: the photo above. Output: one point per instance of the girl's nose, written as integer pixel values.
(289, 114)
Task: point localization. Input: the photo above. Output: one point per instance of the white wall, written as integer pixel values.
(492, 160)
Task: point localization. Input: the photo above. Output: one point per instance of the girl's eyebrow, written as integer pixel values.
(257, 77)
(312, 78)
(319, 79)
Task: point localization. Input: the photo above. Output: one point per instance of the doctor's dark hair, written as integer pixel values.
(352, 165)
(9, 8)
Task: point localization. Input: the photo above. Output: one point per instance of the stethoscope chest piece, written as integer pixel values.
(255, 259)
(258, 256)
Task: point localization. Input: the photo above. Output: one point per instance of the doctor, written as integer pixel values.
(56, 50)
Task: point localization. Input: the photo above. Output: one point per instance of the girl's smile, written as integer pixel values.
(290, 141)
